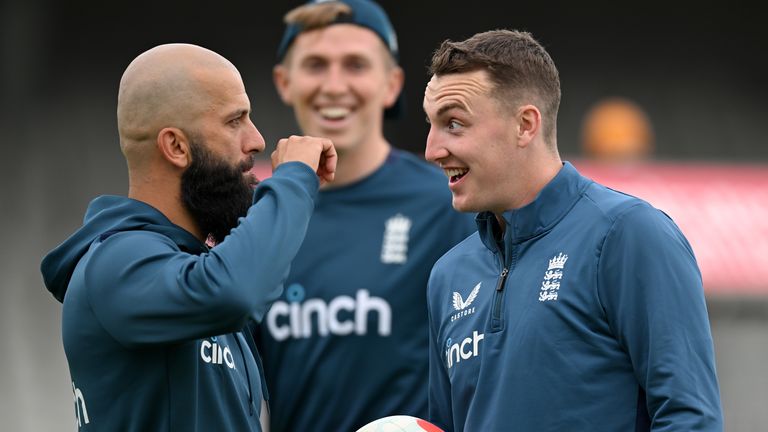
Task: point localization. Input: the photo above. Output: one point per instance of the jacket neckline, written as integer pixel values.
(551, 204)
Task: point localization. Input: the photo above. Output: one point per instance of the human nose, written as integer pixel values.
(434, 150)
(254, 142)
(335, 81)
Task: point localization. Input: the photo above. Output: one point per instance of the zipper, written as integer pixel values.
(502, 279)
(498, 298)
(497, 319)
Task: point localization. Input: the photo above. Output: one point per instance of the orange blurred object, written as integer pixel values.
(617, 129)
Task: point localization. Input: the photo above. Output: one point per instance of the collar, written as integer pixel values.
(551, 204)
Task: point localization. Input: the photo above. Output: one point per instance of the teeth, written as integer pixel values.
(334, 112)
(453, 172)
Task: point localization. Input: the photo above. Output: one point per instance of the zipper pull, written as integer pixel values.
(502, 279)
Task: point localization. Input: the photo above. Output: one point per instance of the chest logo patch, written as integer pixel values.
(462, 306)
(550, 286)
(394, 249)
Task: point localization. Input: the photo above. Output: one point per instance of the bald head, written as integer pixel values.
(166, 86)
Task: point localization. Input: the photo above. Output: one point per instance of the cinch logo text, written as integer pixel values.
(464, 350)
(344, 315)
(214, 353)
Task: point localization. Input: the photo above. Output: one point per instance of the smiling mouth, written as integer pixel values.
(334, 113)
(455, 174)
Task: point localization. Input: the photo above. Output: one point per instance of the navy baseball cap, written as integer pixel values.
(365, 13)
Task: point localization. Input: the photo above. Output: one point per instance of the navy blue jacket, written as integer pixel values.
(589, 315)
(152, 319)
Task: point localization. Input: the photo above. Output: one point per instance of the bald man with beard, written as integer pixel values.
(152, 318)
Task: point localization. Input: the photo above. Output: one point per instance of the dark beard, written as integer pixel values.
(215, 193)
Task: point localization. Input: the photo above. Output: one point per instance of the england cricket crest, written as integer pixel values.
(550, 286)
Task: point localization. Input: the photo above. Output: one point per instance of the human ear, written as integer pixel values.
(395, 80)
(174, 146)
(282, 82)
(529, 124)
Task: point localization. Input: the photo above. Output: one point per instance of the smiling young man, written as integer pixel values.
(347, 343)
(587, 309)
(152, 318)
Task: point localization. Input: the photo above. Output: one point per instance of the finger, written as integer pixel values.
(329, 158)
(322, 173)
(326, 178)
(278, 153)
(274, 159)
(328, 162)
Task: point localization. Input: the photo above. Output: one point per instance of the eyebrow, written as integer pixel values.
(312, 58)
(445, 108)
(238, 113)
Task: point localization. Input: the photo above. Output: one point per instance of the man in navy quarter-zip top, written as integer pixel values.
(152, 318)
(347, 343)
(574, 307)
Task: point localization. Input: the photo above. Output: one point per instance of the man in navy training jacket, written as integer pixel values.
(348, 341)
(574, 307)
(152, 318)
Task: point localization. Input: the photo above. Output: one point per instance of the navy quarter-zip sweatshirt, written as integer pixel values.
(587, 315)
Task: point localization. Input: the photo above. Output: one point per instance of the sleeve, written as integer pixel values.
(440, 407)
(651, 289)
(144, 290)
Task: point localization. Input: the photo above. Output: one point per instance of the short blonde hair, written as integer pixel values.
(316, 15)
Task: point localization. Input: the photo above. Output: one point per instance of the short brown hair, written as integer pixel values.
(518, 66)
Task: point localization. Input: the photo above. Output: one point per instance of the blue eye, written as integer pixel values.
(453, 125)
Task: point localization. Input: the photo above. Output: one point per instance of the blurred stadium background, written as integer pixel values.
(695, 69)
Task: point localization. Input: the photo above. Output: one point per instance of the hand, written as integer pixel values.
(318, 153)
